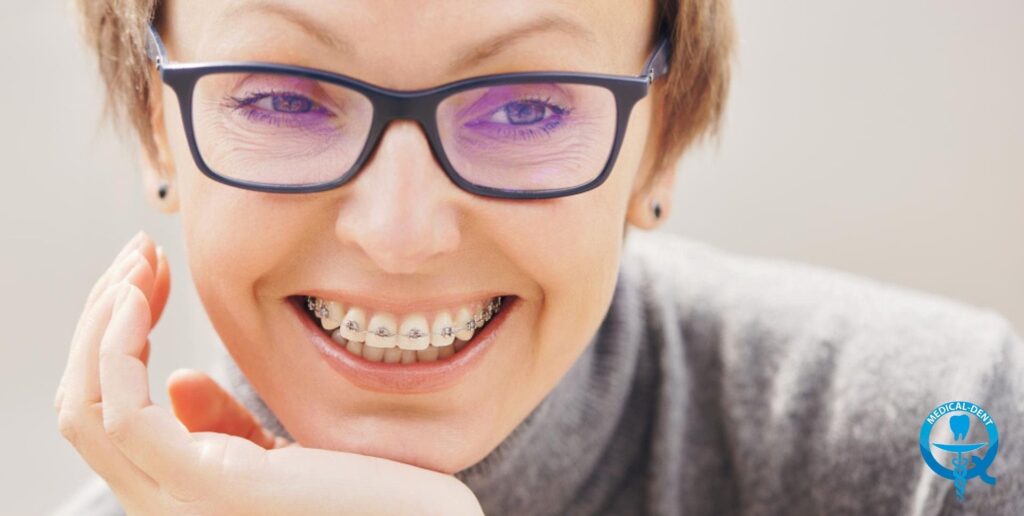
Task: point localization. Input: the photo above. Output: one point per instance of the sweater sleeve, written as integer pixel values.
(1002, 396)
(94, 498)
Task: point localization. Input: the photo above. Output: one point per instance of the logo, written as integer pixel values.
(966, 459)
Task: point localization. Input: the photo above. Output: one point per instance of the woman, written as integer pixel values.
(429, 300)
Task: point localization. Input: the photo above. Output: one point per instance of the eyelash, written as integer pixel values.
(516, 132)
(528, 133)
(276, 118)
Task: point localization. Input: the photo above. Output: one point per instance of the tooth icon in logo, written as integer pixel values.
(960, 424)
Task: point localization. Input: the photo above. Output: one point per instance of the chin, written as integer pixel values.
(401, 442)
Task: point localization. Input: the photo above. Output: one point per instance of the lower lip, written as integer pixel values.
(418, 378)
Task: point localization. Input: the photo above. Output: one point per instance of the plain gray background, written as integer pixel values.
(882, 138)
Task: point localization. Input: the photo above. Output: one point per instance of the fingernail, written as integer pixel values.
(159, 251)
(136, 239)
(132, 244)
(136, 257)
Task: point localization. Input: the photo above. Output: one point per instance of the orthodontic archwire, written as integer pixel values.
(319, 309)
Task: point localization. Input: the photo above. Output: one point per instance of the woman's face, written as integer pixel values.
(401, 237)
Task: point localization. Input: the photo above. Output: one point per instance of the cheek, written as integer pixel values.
(570, 247)
(575, 246)
(235, 240)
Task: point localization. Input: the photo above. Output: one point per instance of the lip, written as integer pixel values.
(418, 378)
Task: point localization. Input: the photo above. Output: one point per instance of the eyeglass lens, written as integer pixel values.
(292, 131)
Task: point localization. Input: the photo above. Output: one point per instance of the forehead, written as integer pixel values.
(411, 44)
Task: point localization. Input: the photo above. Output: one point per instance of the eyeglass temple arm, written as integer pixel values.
(657, 65)
(155, 48)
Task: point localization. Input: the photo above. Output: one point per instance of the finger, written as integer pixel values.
(81, 422)
(81, 370)
(117, 270)
(82, 374)
(161, 285)
(204, 406)
(145, 354)
(107, 278)
(82, 426)
(144, 247)
(147, 434)
(368, 483)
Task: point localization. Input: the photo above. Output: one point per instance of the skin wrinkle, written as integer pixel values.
(248, 251)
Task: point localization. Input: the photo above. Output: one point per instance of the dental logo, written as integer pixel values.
(966, 459)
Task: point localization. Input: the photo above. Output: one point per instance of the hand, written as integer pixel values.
(203, 406)
(154, 464)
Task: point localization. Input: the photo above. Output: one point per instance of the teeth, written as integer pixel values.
(353, 325)
(408, 356)
(427, 355)
(464, 320)
(373, 354)
(393, 355)
(414, 333)
(415, 340)
(442, 331)
(382, 332)
(334, 315)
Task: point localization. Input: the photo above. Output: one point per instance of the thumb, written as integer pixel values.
(204, 406)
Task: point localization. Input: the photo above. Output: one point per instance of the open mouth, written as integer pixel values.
(411, 339)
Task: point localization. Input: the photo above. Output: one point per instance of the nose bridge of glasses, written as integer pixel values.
(405, 106)
(400, 106)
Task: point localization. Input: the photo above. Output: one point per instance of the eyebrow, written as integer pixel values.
(488, 48)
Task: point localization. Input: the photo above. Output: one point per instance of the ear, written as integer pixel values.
(155, 160)
(654, 182)
(640, 212)
(655, 176)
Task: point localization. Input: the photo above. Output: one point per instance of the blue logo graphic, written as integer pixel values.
(965, 458)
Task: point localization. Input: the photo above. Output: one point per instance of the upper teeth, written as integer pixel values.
(383, 331)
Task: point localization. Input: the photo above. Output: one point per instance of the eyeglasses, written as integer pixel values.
(288, 129)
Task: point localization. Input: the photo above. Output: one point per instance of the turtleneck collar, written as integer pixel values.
(575, 448)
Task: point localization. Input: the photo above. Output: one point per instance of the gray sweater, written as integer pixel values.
(724, 384)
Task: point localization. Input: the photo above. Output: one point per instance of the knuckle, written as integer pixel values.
(68, 423)
(117, 428)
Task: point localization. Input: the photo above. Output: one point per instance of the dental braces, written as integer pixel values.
(319, 308)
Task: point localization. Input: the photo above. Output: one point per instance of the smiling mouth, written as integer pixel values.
(414, 338)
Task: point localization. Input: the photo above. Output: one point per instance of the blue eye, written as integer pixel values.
(280, 108)
(527, 112)
(519, 113)
(522, 119)
(291, 104)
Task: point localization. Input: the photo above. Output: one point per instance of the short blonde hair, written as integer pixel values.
(695, 90)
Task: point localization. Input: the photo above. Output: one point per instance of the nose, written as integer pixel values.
(401, 210)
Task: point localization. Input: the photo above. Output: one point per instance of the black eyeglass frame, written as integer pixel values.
(419, 105)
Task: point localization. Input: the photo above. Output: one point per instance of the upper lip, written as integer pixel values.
(376, 302)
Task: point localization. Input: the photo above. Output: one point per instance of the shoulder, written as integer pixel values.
(823, 377)
(778, 305)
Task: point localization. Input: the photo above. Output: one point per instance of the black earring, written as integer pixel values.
(162, 190)
(656, 208)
